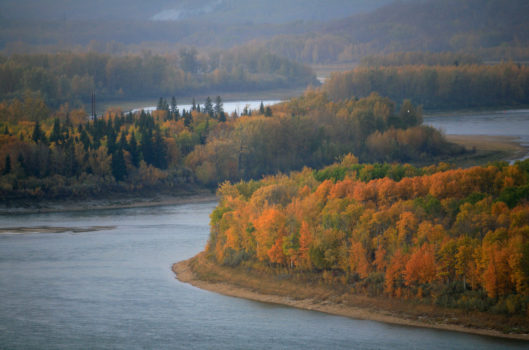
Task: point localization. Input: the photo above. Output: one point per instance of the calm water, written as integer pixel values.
(229, 107)
(114, 289)
(513, 123)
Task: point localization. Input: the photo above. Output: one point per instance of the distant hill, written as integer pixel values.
(484, 26)
(309, 31)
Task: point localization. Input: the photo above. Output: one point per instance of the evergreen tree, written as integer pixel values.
(219, 109)
(56, 134)
(133, 150)
(38, 135)
(147, 147)
(123, 140)
(7, 166)
(119, 170)
(85, 139)
(160, 150)
(261, 108)
(194, 105)
(208, 107)
(22, 163)
(268, 111)
(111, 141)
(6, 130)
(188, 119)
(173, 105)
(70, 162)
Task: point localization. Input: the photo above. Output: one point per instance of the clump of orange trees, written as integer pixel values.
(453, 237)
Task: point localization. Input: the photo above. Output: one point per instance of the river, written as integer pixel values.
(229, 107)
(105, 282)
(513, 123)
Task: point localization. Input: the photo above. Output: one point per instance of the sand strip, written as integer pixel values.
(184, 273)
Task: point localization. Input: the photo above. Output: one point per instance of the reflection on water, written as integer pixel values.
(513, 123)
(113, 289)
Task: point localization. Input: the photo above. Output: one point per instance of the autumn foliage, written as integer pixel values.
(61, 153)
(453, 237)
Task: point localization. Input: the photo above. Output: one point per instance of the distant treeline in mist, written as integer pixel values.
(71, 77)
(492, 29)
(437, 87)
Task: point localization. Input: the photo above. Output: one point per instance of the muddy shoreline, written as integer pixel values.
(184, 273)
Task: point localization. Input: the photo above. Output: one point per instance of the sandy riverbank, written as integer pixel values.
(489, 148)
(105, 204)
(278, 294)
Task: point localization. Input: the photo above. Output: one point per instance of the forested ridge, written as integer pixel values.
(492, 29)
(448, 86)
(45, 154)
(72, 76)
(435, 235)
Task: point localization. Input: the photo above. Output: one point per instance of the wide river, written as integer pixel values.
(107, 284)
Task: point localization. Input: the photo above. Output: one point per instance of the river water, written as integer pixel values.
(512, 123)
(229, 107)
(107, 284)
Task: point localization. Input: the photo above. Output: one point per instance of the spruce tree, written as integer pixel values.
(208, 107)
(133, 150)
(119, 169)
(38, 135)
(160, 150)
(56, 134)
(219, 109)
(7, 166)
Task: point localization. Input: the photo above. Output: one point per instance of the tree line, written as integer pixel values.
(72, 77)
(450, 237)
(46, 154)
(438, 87)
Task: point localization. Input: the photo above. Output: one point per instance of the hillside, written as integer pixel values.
(487, 27)
(311, 32)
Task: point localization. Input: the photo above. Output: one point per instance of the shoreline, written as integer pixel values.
(184, 273)
(108, 204)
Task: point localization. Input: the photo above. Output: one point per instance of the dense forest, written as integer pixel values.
(71, 77)
(455, 86)
(61, 154)
(450, 237)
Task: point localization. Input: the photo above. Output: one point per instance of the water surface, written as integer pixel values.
(113, 288)
(513, 123)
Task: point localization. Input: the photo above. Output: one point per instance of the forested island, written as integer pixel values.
(433, 245)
